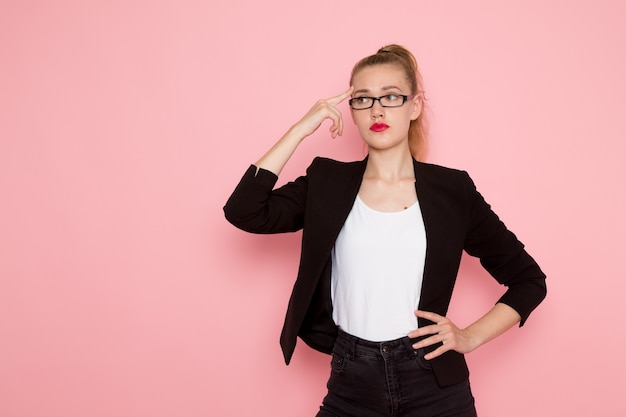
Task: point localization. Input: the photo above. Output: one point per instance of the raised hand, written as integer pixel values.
(322, 110)
(276, 158)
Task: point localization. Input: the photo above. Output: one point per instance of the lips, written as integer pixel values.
(378, 127)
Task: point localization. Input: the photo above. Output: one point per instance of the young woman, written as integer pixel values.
(381, 246)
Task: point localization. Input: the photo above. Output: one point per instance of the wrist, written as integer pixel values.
(474, 338)
(297, 133)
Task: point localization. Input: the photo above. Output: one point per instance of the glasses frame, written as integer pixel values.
(374, 99)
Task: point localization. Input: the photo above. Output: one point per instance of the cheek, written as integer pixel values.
(360, 119)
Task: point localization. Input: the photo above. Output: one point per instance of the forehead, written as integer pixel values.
(379, 77)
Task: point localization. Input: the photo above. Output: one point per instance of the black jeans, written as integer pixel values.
(375, 379)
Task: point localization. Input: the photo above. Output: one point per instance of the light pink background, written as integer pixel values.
(124, 125)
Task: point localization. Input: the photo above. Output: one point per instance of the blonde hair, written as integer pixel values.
(398, 55)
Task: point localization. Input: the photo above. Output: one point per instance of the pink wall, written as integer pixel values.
(124, 125)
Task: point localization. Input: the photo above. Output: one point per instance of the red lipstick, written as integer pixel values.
(378, 127)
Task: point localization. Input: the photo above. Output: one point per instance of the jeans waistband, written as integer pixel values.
(356, 345)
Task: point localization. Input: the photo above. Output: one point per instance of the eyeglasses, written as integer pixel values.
(390, 100)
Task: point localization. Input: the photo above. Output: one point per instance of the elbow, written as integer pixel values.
(237, 218)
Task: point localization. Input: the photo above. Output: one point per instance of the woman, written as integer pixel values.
(381, 246)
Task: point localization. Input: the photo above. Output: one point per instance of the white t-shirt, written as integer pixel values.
(377, 269)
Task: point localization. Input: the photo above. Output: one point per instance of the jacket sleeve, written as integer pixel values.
(256, 207)
(503, 256)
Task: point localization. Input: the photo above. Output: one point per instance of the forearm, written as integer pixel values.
(276, 158)
(497, 321)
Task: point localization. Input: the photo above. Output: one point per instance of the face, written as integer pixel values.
(384, 127)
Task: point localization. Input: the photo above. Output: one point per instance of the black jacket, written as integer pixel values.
(456, 218)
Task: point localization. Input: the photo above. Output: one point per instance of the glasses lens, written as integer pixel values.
(392, 100)
(358, 103)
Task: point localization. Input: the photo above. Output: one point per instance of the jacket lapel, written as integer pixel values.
(332, 200)
(339, 204)
(435, 227)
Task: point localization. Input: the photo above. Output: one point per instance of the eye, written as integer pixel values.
(392, 97)
(362, 100)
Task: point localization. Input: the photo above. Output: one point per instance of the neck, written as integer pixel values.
(390, 165)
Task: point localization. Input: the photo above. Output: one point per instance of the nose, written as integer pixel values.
(377, 110)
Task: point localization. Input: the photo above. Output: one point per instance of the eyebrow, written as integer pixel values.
(385, 88)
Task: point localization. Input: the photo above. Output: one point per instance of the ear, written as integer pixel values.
(417, 104)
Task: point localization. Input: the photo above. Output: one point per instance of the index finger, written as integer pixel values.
(429, 315)
(341, 97)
